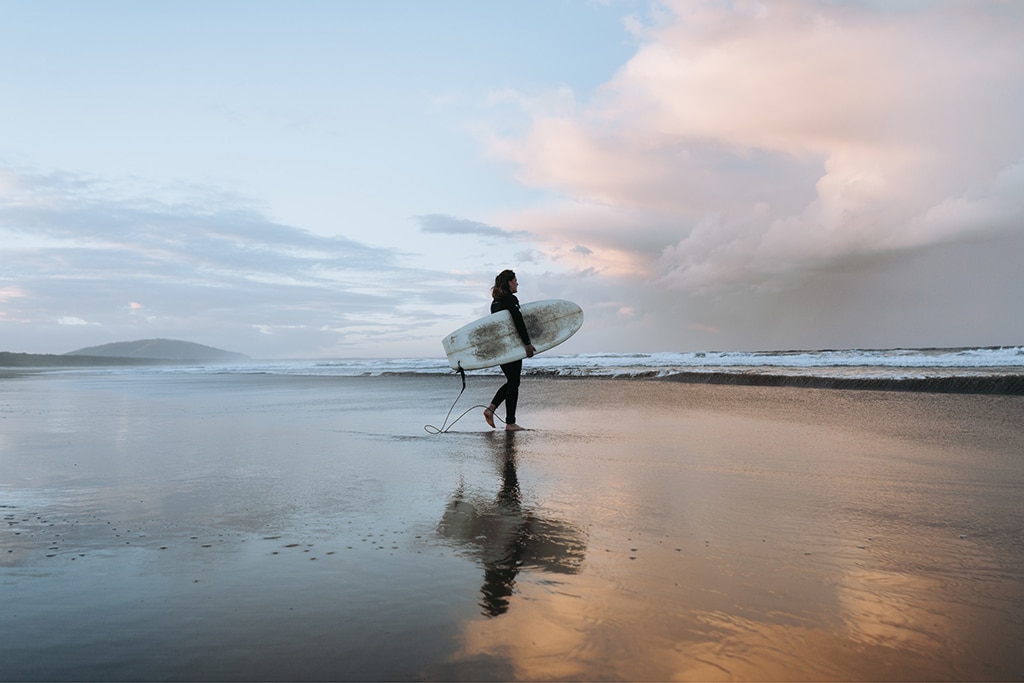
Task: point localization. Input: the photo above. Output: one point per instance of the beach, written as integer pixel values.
(274, 527)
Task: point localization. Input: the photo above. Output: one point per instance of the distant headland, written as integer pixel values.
(140, 352)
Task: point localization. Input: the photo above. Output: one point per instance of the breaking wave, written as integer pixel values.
(995, 370)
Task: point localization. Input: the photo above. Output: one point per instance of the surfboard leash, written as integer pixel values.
(445, 427)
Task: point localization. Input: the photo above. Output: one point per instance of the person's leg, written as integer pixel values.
(512, 371)
(499, 398)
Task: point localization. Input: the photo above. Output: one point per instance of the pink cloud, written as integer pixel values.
(748, 140)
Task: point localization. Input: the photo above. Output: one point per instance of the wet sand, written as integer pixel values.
(295, 528)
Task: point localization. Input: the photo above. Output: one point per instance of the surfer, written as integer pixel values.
(504, 299)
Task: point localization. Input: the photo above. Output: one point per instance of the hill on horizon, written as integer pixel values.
(161, 349)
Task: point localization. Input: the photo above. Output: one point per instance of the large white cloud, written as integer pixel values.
(746, 141)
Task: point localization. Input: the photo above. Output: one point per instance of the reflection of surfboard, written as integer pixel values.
(493, 340)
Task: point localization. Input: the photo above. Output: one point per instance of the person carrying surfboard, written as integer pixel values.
(503, 296)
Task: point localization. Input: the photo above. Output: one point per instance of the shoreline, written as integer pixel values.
(998, 381)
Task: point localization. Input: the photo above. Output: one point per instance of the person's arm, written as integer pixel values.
(517, 320)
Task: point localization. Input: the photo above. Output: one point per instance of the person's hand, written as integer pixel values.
(530, 350)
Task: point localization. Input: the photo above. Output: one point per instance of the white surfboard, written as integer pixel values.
(493, 340)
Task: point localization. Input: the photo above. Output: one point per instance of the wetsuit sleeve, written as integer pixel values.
(511, 304)
(517, 320)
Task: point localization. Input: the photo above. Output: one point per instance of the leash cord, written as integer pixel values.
(445, 427)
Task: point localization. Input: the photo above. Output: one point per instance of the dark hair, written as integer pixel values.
(500, 287)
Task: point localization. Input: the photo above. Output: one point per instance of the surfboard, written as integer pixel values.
(493, 340)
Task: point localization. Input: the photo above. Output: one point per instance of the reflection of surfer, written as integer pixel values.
(504, 299)
(508, 538)
(500, 571)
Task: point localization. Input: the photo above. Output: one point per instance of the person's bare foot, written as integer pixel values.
(489, 415)
(513, 427)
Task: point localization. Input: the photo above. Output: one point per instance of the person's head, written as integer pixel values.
(504, 284)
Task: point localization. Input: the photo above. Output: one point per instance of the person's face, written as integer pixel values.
(513, 286)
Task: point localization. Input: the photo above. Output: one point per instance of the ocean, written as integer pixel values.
(985, 370)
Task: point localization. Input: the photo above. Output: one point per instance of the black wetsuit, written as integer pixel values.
(509, 391)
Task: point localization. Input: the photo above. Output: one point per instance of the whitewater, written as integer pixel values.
(985, 369)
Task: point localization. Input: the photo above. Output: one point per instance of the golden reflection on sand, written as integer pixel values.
(892, 609)
(561, 632)
(735, 608)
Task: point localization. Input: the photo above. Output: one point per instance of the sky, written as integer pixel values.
(311, 179)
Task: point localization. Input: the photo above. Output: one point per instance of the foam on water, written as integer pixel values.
(892, 363)
(848, 364)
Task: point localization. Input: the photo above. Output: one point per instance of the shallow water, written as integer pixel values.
(267, 528)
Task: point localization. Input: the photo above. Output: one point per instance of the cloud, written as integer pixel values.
(749, 142)
(201, 237)
(78, 255)
(10, 293)
(442, 224)
(72, 320)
